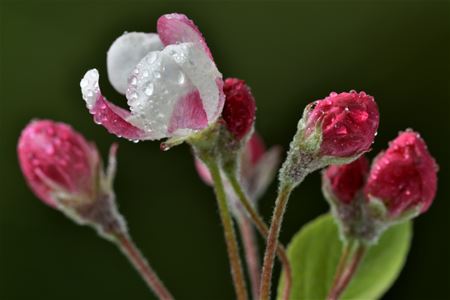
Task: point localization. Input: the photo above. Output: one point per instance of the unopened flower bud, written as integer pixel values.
(404, 177)
(238, 117)
(348, 123)
(64, 171)
(55, 159)
(342, 186)
(335, 130)
(344, 182)
(239, 109)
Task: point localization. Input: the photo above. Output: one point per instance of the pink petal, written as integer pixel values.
(112, 117)
(177, 28)
(188, 113)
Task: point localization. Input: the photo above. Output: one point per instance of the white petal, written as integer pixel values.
(162, 79)
(89, 87)
(203, 74)
(126, 52)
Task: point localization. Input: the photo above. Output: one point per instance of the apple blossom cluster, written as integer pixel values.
(175, 92)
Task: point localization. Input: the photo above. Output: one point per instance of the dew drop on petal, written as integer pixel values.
(83, 83)
(149, 90)
(181, 78)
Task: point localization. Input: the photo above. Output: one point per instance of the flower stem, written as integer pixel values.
(343, 278)
(251, 253)
(230, 237)
(272, 240)
(263, 230)
(346, 250)
(136, 258)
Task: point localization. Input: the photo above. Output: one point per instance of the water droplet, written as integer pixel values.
(50, 150)
(145, 73)
(157, 75)
(149, 90)
(164, 146)
(332, 94)
(342, 130)
(136, 71)
(151, 57)
(181, 78)
(97, 120)
(84, 83)
(133, 80)
(361, 115)
(133, 96)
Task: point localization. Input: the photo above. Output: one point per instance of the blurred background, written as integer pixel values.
(290, 53)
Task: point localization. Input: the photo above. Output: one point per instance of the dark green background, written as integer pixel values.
(290, 54)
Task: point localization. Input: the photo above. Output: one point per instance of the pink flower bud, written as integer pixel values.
(349, 122)
(345, 181)
(254, 149)
(239, 109)
(404, 176)
(56, 159)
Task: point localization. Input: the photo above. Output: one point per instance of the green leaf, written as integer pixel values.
(314, 253)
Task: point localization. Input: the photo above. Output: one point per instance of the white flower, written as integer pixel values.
(170, 80)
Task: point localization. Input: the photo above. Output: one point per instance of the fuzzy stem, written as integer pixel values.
(345, 276)
(251, 253)
(343, 260)
(272, 240)
(133, 254)
(230, 237)
(263, 230)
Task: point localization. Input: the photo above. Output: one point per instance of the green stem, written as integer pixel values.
(272, 240)
(343, 260)
(136, 258)
(263, 230)
(230, 237)
(346, 275)
(251, 253)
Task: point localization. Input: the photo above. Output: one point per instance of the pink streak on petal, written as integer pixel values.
(113, 118)
(188, 113)
(177, 28)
